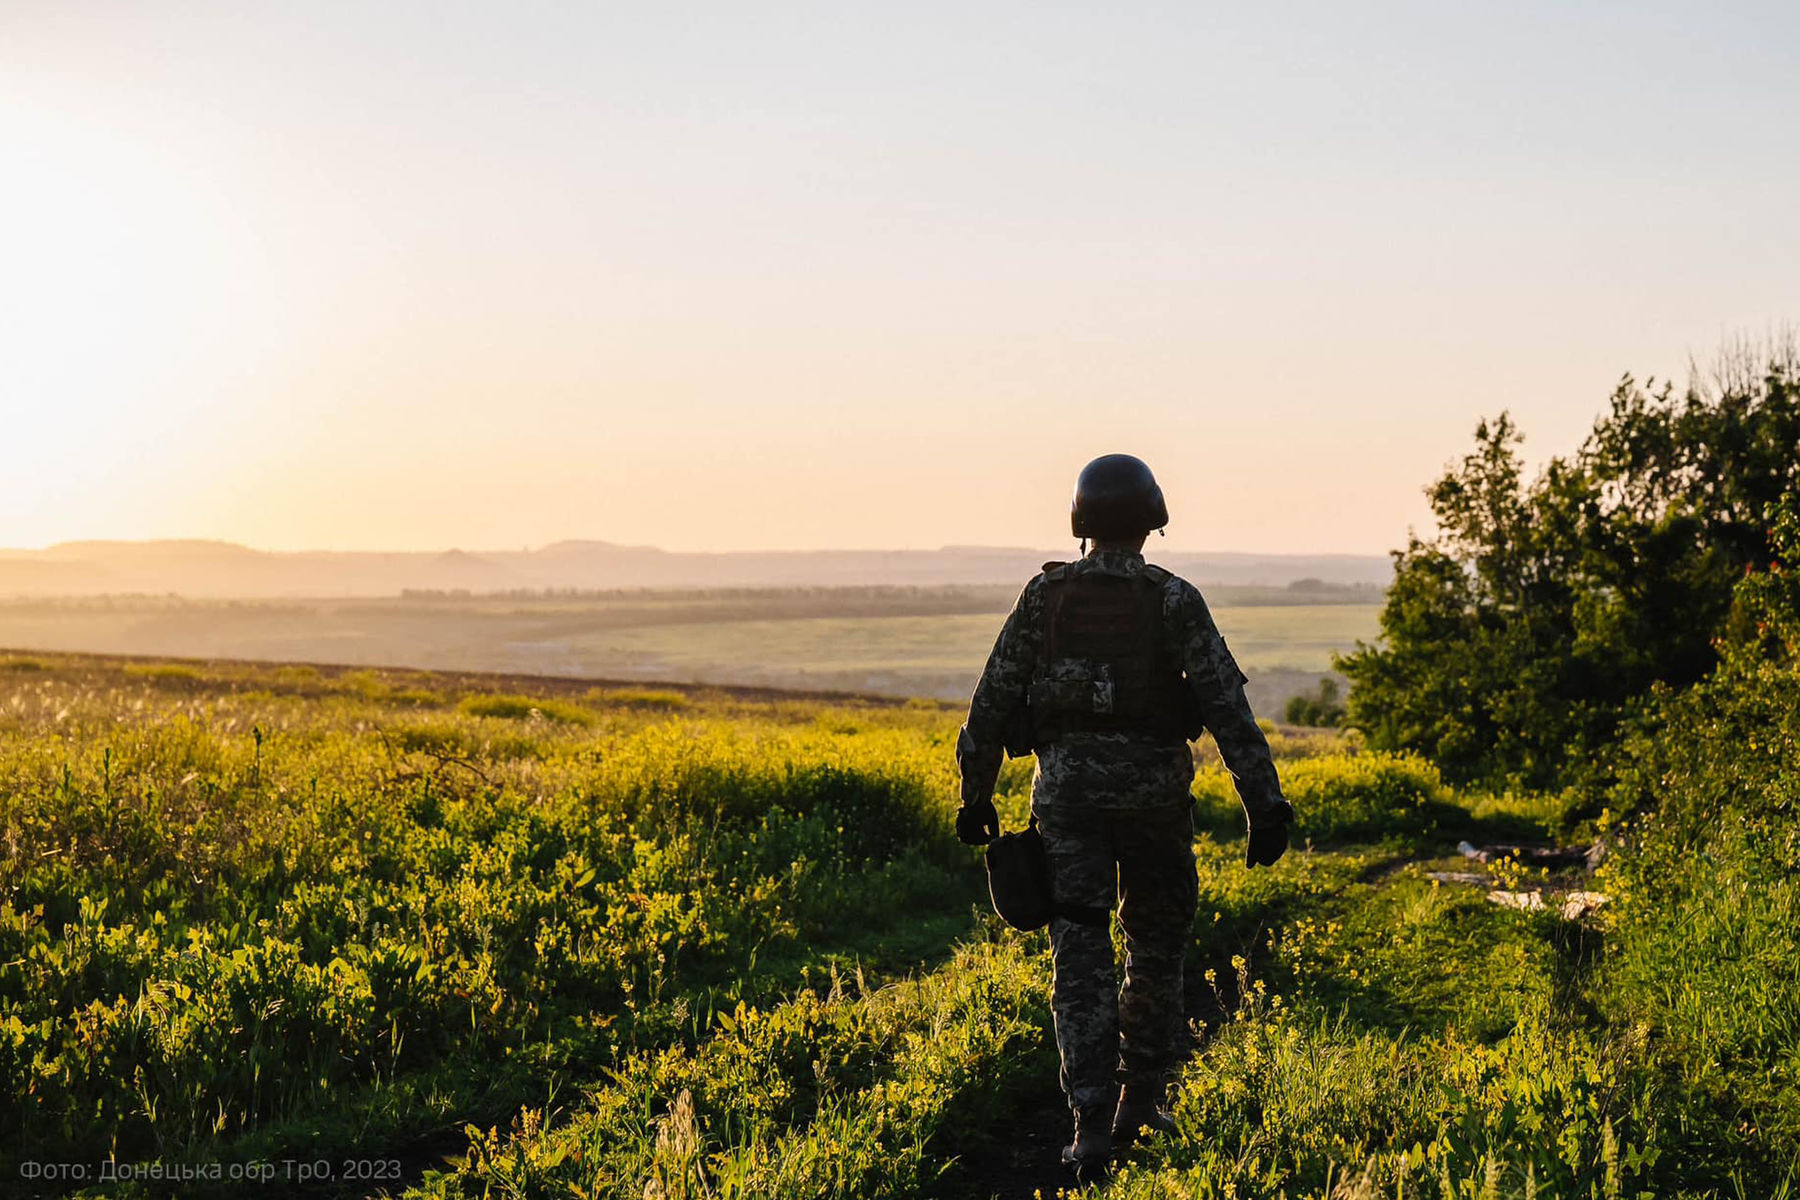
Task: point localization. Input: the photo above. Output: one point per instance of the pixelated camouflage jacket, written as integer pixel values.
(1118, 770)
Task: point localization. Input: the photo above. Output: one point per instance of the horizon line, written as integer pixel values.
(599, 543)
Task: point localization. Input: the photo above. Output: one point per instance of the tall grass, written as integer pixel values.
(261, 911)
(843, 1090)
(227, 908)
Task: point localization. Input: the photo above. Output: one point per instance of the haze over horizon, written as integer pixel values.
(197, 569)
(350, 277)
(224, 544)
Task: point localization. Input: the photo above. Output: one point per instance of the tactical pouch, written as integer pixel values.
(1018, 871)
(1089, 694)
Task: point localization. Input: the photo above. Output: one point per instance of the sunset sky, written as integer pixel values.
(728, 276)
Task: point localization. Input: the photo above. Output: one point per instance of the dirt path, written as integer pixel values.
(1023, 1155)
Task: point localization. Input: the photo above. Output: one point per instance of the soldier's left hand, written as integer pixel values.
(1269, 840)
(977, 824)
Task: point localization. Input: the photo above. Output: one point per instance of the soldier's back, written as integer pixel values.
(1107, 695)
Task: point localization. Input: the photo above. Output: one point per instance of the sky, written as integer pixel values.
(716, 276)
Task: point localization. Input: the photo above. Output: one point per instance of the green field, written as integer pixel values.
(931, 655)
(1301, 638)
(890, 641)
(426, 934)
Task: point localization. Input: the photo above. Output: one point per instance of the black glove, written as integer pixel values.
(1269, 840)
(977, 823)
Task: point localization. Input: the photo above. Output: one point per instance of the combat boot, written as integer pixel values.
(1091, 1151)
(1141, 1113)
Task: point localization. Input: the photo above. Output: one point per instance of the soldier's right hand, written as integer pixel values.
(977, 824)
(1269, 840)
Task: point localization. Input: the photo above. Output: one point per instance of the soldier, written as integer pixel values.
(1106, 667)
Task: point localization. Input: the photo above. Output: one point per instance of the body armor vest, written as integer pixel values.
(1104, 664)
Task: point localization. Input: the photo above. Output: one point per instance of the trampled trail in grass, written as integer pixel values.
(1341, 1000)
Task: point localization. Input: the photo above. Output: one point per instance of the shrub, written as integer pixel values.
(644, 698)
(162, 671)
(526, 708)
(1323, 709)
(1706, 896)
(1338, 796)
(1517, 639)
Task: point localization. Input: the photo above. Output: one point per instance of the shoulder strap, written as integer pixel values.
(1059, 577)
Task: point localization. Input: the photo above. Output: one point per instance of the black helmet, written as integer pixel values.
(1116, 497)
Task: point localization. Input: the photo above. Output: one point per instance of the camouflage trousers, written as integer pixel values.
(1143, 861)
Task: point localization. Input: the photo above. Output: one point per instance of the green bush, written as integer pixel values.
(1324, 709)
(526, 708)
(162, 671)
(639, 698)
(1341, 796)
(1518, 639)
(1706, 888)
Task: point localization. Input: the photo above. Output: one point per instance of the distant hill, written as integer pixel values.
(222, 569)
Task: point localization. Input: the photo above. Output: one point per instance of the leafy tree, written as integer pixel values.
(1540, 614)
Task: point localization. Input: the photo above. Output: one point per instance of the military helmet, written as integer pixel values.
(1116, 497)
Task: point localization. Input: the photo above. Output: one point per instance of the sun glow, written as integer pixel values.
(116, 271)
(398, 276)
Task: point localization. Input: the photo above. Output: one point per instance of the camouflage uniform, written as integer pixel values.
(1115, 811)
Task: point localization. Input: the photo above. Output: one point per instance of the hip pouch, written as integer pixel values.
(1018, 870)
